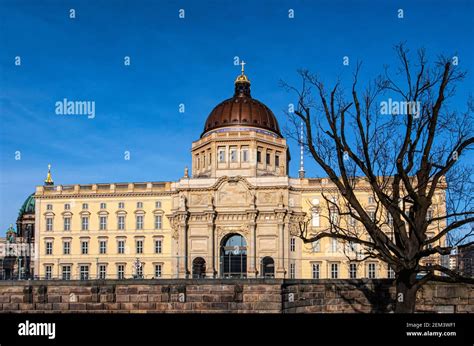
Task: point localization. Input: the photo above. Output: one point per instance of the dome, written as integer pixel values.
(28, 206)
(242, 110)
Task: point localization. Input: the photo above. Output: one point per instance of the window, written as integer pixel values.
(292, 244)
(352, 221)
(429, 215)
(84, 247)
(245, 155)
(371, 215)
(267, 160)
(157, 221)
(315, 270)
(103, 206)
(67, 206)
(334, 217)
(158, 204)
(67, 248)
(49, 223)
(102, 271)
(210, 158)
(221, 152)
(103, 223)
(259, 156)
(197, 161)
(48, 271)
(139, 271)
(49, 247)
(103, 247)
(67, 223)
(121, 246)
(158, 270)
(49, 207)
(315, 218)
(292, 270)
(334, 270)
(139, 246)
(84, 272)
(85, 206)
(158, 245)
(333, 244)
(121, 222)
(85, 223)
(277, 160)
(316, 246)
(139, 221)
(233, 154)
(371, 200)
(390, 273)
(139, 205)
(121, 205)
(371, 273)
(352, 271)
(66, 272)
(120, 271)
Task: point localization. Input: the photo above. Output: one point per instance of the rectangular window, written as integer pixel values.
(120, 271)
(121, 246)
(103, 247)
(48, 272)
(268, 159)
(66, 248)
(334, 216)
(67, 206)
(67, 223)
(158, 245)
(316, 246)
(292, 244)
(121, 205)
(66, 272)
(334, 270)
(352, 221)
(221, 155)
(371, 215)
(139, 246)
(84, 272)
(352, 271)
(315, 271)
(85, 223)
(371, 273)
(103, 206)
(245, 155)
(371, 200)
(315, 218)
(158, 270)
(158, 204)
(103, 223)
(49, 247)
(259, 156)
(85, 206)
(292, 270)
(49, 207)
(139, 205)
(429, 215)
(157, 221)
(333, 244)
(390, 220)
(84, 247)
(277, 160)
(121, 222)
(49, 223)
(233, 154)
(139, 221)
(102, 271)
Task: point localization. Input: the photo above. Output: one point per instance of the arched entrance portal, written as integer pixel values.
(233, 256)
(268, 267)
(199, 268)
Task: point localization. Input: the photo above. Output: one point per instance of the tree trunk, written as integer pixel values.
(405, 299)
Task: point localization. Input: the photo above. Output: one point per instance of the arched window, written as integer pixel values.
(268, 267)
(199, 268)
(233, 256)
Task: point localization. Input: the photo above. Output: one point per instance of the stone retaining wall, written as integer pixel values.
(223, 296)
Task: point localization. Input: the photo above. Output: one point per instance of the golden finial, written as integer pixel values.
(242, 77)
(49, 179)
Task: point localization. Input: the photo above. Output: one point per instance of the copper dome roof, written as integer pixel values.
(242, 110)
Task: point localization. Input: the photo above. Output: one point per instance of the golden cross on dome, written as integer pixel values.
(243, 64)
(49, 179)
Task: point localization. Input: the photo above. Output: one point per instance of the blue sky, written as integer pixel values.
(175, 61)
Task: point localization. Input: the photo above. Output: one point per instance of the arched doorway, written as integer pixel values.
(233, 256)
(268, 267)
(199, 268)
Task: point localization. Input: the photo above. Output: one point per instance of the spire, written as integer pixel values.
(242, 83)
(49, 179)
(301, 172)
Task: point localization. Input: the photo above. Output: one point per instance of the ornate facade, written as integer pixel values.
(235, 215)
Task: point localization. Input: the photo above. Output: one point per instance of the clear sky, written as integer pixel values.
(174, 61)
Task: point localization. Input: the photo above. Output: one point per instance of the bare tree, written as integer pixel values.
(410, 156)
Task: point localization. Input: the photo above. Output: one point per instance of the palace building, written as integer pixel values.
(235, 214)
